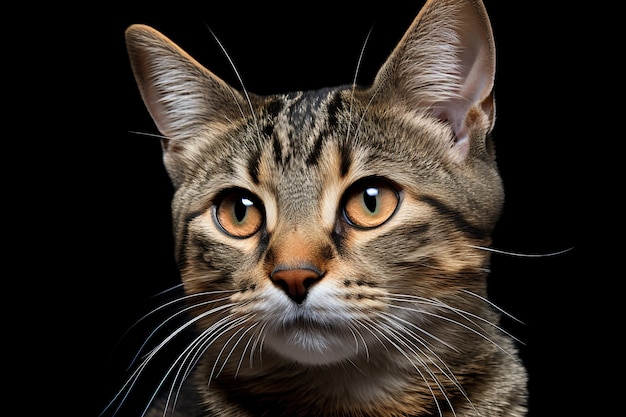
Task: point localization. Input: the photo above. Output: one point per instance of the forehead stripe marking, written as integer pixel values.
(334, 105)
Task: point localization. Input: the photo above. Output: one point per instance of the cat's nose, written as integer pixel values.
(295, 282)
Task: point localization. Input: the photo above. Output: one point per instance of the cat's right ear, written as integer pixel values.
(181, 95)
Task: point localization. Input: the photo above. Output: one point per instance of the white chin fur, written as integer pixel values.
(312, 346)
(307, 334)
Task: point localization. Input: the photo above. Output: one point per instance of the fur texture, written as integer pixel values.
(332, 243)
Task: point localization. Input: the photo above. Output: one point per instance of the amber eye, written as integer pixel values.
(239, 214)
(369, 203)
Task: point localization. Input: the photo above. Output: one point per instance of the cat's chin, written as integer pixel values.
(312, 346)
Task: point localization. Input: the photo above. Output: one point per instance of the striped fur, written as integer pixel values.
(308, 312)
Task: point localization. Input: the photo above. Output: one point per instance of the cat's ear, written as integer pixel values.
(445, 63)
(180, 94)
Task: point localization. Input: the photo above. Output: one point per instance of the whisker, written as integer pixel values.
(494, 305)
(363, 324)
(152, 135)
(211, 334)
(126, 389)
(386, 334)
(239, 322)
(178, 313)
(367, 106)
(230, 325)
(183, 358)
(245, 348)
(191, 355)
(399, 330)
(201, 344)
(136, 374)
(522, 255)
(361, 54)
(176, 386)
(355, 332)
(355, 366)
(171, 289)
(258, 342)
(408, 323)
(433, 358)
(243, 87)
(462, 313)
(354, 81)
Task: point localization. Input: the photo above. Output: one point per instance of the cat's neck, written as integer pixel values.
(378, 382)
(359, 381)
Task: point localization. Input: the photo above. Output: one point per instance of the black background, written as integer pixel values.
(97, 213)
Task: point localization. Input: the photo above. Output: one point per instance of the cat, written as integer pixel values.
(333, 244)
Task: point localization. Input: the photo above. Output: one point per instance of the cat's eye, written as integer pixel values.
(370, 203)
(239, 214)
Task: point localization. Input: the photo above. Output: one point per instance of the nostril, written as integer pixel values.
(295, 282)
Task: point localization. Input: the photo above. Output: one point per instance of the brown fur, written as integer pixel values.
(312, 315)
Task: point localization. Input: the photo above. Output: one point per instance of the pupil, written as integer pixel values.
(369, 198)
(241, 208)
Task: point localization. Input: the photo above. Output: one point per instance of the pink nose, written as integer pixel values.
(295, 282)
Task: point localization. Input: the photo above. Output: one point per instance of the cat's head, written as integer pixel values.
(307, 217)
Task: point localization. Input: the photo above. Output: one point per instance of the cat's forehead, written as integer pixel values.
(300, 126)
(301, 121)
(302, 137)
(292, 132)
(301, 106)
(299, 149)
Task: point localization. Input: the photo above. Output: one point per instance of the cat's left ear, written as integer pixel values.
(445, 64)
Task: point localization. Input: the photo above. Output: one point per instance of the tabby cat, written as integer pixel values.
(334, 244)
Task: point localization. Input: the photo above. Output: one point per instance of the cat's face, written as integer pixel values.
(313, 217)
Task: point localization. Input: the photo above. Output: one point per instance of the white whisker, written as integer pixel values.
(522, 255)
(363, 325)
(125, 390)
(243, 87)
(412, 338)
(355, 366)
(226, 327)
(494, 305)
(171, 317)
(367, 106)
(354, 81)
(384, 331)
(237, 323)
(168, 339)
(432, 356)
(152, 135)
(356, 332)
(257, 342)
(194, 351)
(171, 289)
(478, 330)
(420, 329)
(245, 348)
